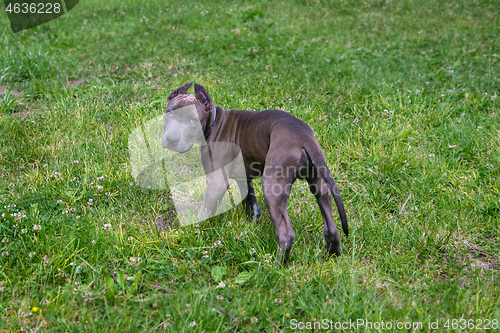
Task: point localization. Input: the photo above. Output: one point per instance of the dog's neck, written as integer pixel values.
(208, 129)
(215, 115)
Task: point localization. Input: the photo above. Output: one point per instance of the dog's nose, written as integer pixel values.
(174, 138)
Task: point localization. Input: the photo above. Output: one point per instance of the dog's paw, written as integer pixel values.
(253, 211)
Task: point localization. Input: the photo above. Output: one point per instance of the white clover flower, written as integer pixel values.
(106, 226)
(220, 297)
(218, 243)
(254, 320)
(60, 201)
(251, 251)
(37, 227)
(24, 231)
(221, 285)
(192, 324)
(88, 297)
(135, 261)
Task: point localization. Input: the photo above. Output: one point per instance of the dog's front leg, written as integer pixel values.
(250, 202)
(216, 186)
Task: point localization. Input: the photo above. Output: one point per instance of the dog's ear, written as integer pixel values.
(202, 95)
(181, 90)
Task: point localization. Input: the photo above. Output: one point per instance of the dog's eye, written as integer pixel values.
(192, 121)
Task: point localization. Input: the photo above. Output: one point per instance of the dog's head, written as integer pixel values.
(183, 117)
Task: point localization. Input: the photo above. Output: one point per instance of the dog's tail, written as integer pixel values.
(316, 156)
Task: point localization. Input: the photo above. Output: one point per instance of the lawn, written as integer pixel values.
(402, 96)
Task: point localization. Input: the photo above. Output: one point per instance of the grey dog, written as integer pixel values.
(274, 145)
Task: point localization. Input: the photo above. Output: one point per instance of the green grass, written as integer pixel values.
(402, 96)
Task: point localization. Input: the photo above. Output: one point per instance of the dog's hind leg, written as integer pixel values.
(250, 202)
(276, 193)
(321, 192)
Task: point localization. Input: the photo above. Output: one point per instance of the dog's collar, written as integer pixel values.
(215, 115)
